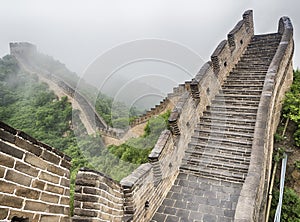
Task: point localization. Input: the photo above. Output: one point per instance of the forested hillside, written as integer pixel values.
(114, 113)
(30, 106)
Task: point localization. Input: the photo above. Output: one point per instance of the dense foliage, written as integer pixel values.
(291, 107)
(290, 211)
(136, 150)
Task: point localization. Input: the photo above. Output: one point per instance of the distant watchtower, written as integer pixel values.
(22, 48)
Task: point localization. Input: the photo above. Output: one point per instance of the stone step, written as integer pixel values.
(242, 150)
(240, 82)
(235, 102)
(242, 87)
(221, 141)
(238, 97)
(265, 45)
(244, 77)
(222, 133)
(241, 91)
(226, 126)
(246, 66)
(250, 70)
(260, 53)
(214, 174)
(250, 73)
(218, 161)
(232, 108)
(225, 120)
(230, 114)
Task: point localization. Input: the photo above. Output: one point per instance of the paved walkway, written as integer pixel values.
(195, 199)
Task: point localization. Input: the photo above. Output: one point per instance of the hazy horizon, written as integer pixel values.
(79, 33)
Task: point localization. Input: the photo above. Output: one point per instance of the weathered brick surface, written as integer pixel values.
(35, 161)
(11, 201)
(49, 177)
(97, 197)
(26, 168)
(20, 142)
(28, 193)
(31, 181)
(47, 197)
(2, 171)
(6, 160)
(19, 178)
(3, 213)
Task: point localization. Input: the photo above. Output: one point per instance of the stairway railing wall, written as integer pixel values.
(253, 198)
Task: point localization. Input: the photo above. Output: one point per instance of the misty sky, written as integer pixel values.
(77, 32)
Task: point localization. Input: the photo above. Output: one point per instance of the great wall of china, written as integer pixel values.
(213, 165)
(23, 50)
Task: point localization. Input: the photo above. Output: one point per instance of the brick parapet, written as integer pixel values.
(34, 178)
(97, 197)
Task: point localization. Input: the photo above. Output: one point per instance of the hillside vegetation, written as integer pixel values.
(116, 114)
(290, 141)
(31, 107)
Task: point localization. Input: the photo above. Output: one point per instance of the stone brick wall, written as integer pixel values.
(97, 198)
(252, 202)
(34, 178)
(146, 187)
(167, 103)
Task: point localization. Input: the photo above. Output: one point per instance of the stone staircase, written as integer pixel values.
(217, 159)
(221, 145)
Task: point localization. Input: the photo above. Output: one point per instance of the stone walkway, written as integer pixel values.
(195, 199)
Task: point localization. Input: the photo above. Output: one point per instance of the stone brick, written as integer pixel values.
(65, 164)
(35, 161)
(89, 205)
(7, 136)
(6, 160)
(67, 192)
(7, 187)
(86, 182)
(36, 183)
(3, 213)
(54, 189)
(50, 218)
(65, 219)
(11, 201)
(28, 146)
(48, 177)
(11, 150)
(56, 209)
(49, 198)
(21, 213)
(86, 198)
(86, 213)
(89, 190)
(18, 178)
(28, 193)
(64, 200)
(27, 169)
(65, 182)
(36, 206)
(2, 171)
(50, 157)
(56, 170)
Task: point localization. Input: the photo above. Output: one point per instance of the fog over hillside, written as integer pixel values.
(82, 34)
